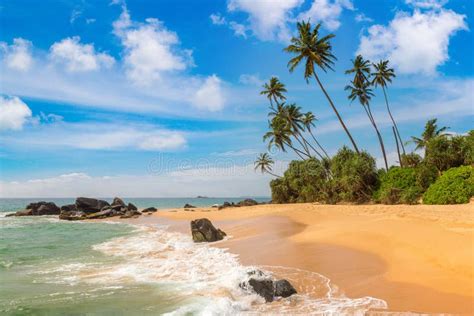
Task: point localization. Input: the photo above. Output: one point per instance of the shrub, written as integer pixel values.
(280, 191)
(354, 177)
(426, 174)
(446, 152)
(410, 160)
(399, 185)
(468, 148)
(455, 186)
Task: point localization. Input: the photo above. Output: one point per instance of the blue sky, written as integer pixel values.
(161, 98)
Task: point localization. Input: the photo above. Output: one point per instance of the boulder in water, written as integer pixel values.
(188, 206)
(39, 208)
(264, 288)
(89, 205)
(72, 215)
(202, 230)
(284, 288)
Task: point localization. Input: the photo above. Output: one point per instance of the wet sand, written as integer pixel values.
(417, 258)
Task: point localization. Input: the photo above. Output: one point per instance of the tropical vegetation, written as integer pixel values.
(438, 171)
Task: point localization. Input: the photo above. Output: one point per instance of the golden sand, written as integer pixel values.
(417, 258)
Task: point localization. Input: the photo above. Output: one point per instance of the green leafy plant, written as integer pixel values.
(455, 186)
(399, 186)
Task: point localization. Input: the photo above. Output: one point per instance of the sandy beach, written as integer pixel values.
(417, 258)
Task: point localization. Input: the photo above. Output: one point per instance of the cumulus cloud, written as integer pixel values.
(18, 55)
(327, 12)
(414, 43)
(267, 18)
(427, 4)
(14, 113)
(217, 19)
(79, 57)
(150, 49)
(249, 79)
(210, 95)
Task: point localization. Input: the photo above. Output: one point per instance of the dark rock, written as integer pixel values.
(39, 208)
(284, 288)
(150, 210)
(188, 206)
(102, 214)
(132, 207)
(202, 230)
(118, 201)
(24, 213)
(89, 205)
(69, 207)
(264, 288)
(10, 215)
(247, 202)
(72, 215)
(130, 214)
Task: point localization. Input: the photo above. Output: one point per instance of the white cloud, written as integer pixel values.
(17, 56)
(79, 57)
(327, 12)
(416, 43)
(75, 14)
(150, 49)
(95, 136)
(427, 4)
(217, 19)
(210, 95)
(239, 29)
(249, 79)
(13, 113)
(361, 17)
(267, 18)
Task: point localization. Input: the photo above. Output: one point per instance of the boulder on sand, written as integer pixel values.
(247, 202)
(266, 287)
(283, 288)
(150, 210)
(188, 206)
(88, 205)
(202, 230)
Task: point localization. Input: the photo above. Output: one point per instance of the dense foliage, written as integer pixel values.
(455, 186)
(399, 186)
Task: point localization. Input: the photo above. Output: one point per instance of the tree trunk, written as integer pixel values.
(393, 121)
(337, 113)
(317, 143)
(382, 147)
(398, 147)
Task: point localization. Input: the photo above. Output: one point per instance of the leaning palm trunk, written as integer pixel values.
(318, 144)
(398, 147)
(337, 113)
(393, 120)
(382, 147)
(314, 149)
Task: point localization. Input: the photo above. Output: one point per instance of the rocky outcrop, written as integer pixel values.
(72, 215)
(88, 205)
(202, 230)
(247, 202)
(188, 206)
(150, 210)
(267, 287)
(38, 209)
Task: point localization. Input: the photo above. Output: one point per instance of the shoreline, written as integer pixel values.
(417, 258)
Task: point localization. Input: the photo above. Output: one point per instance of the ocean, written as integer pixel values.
(53, 267)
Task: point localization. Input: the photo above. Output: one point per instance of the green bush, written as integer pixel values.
(426, 175)
(410, 160)
(445, 152)
(354, 177)
(468, 148)
(399, 186)
(455, 186)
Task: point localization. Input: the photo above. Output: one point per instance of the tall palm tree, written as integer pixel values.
(363, 93)
(381, 77)
(313, 50)
(274, 90)
(308, 122)
(264, 162)
(280, 136)
(431, 131)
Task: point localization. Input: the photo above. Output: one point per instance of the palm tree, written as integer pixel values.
(360, 69)
(274, 90)
(431, 131)
(382, 76)
(308, 122)
(314, 50)
(264, 162)
(363, 93)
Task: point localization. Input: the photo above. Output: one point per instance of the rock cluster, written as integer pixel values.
(246, 202)
(38, 208)
(267, 287)
(202, 230)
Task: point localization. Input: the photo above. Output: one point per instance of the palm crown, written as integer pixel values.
(382, 74)
(274, 90)
(311, 48)
(360, 69)
(264, 162)
(431, 131)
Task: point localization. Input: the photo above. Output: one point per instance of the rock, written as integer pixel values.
(69, 207)
(118, 201)
(247, 202)
(284, 288)
(39, 208)
(150, 210)
(264, 288)
(72, 215)
(89, 205)
(130, 214)
(132, 207)
(109, 212)
(188, 206)
(24, 213)
(202, 230)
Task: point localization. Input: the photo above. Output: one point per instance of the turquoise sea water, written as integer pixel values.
(53, 267)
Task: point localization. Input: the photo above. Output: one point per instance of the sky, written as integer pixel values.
(142, 98)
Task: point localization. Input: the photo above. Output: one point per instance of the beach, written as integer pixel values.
(417, 258)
